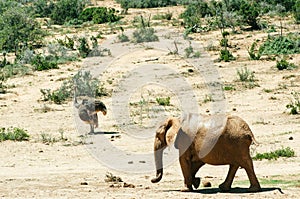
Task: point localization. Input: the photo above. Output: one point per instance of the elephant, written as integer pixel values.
(206, 139)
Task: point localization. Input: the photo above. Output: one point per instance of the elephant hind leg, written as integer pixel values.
(254, 184)
(226, 185)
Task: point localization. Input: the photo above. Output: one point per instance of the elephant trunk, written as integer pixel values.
(158, 156)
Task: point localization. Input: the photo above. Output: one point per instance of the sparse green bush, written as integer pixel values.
(123, 38)
(86, 86)
(284, 64)
(125, 4)
(249, 10)
(225, 55)
(297, 12)
(245, 75)
(284, 152)
(83, 48)
(42, 8)
(146, 34)
(163, 101)
(18, 31)
(289, 44)
(194, 13)
(66, 10)
(3, 87)
(99, 15)
(67, 42)
(166, 16)
(41, 62)
(294, 105)
(189, 52)
(254, 53)
(14, 134)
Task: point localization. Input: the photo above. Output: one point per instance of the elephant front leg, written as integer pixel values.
(195, 167)
(186, 171)
(226, 185)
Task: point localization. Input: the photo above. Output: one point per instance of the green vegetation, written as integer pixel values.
(166, 16)
(41, 62)
(294, 105)
(253, 52)
(297, 12)
(126, 4)
(18, 30)
(14, 134)
(123, 38)
(281, 181)
(189, 52)
(99, 15)
(284, 152)
(67, 10)
(281, 45)
(163, 101)
(245, 75)
(284, 64)
(145, 34)
(225, 54)
(86, 86)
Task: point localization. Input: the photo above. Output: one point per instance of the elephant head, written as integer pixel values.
(165, 136)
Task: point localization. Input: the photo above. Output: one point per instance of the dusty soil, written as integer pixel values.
(70, 168)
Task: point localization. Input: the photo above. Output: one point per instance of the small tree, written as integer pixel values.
(249, 10)
(297, 12)
(66, 10)
(18, 30)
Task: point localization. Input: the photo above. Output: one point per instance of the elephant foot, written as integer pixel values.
(196, 183)
(254, 189)
(188, 189)
(224, 187)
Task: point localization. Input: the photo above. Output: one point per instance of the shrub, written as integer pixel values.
(123, 38)
(86, 86)
(144, 35)
(289, 44)
(297, 12)
(284, 64)
(66, 10)
(18, 30)
(41, 62)
(284, 152)
(163, 101)
(166, 16)
(125, 4)
(250, 12)
(83, 48)
(3, 87)
(14, 134)
(254, 53)
(42, 8)
(193, 14)
(245, 75)
(66, 42)
(294, 105)
(99, 15)
(225, 55)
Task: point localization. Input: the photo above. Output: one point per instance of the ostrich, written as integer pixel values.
(88, 109)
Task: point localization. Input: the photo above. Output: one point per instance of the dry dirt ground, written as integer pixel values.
(69, 168)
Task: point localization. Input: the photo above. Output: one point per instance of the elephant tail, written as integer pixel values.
(254, 141)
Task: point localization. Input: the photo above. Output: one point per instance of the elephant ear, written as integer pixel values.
(172, 126)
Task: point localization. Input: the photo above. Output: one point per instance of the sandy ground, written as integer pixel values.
(73, 168)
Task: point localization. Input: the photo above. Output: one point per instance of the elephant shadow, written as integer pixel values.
(105, 133)
(234, 190)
